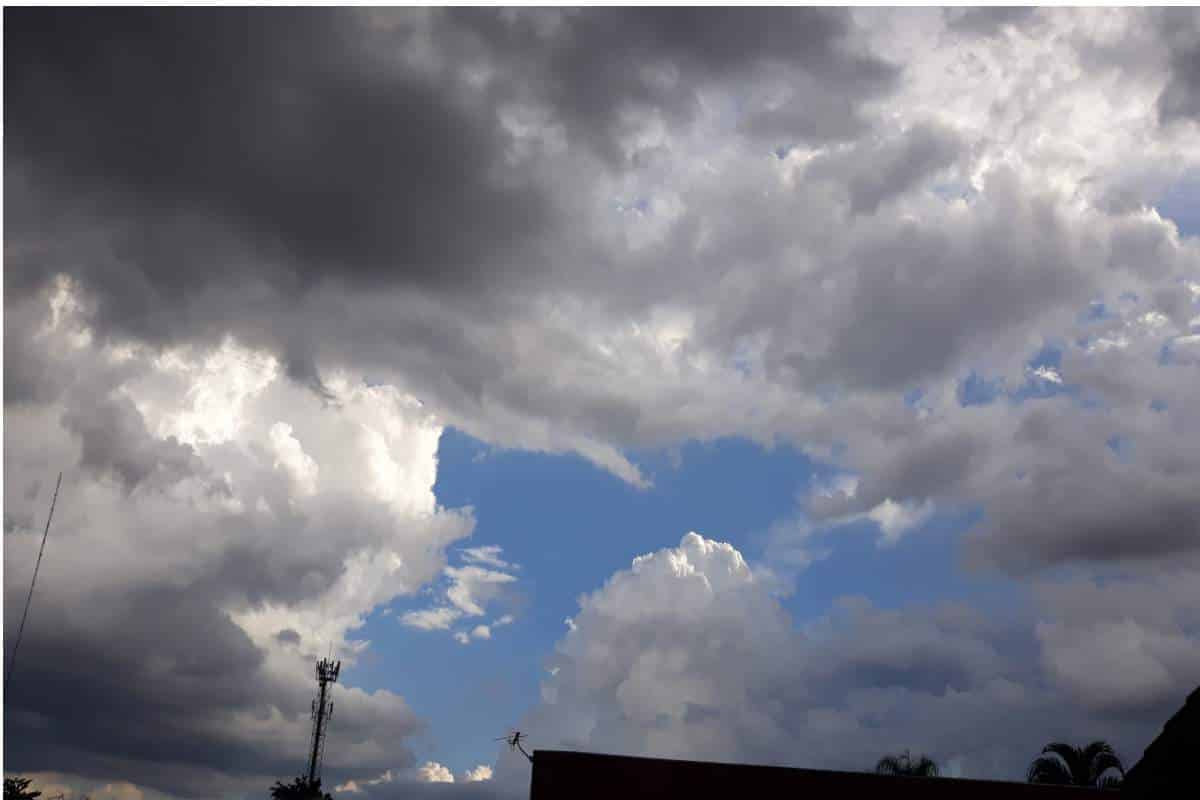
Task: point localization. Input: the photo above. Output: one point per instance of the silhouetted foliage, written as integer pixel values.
(903, 764)
(1065, 765)
(299, 789)
(18, 789)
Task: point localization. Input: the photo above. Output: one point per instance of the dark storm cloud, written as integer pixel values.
(135, 690)
(1180, 33)
(590, 66)
(169, 155)
(1087, 507)
(29, 375)
(141, 678)
(125, 679)
(221, 147)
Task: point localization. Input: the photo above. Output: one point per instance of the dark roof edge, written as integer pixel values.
(572, 755)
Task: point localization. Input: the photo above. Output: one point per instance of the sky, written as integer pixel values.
(780, 386)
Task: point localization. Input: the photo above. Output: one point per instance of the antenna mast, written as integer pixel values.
(12, 660)
(322, 712)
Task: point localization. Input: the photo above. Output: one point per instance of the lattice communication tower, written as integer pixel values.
(322, 712)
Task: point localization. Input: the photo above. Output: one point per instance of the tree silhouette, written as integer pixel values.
(1065, 765)
(903, 764)
(299, 789)
(18, 789)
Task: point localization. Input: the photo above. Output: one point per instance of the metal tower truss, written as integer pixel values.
(322, 712)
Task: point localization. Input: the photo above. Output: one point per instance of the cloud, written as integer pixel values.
(75, 787)
(356, 787)
(114, 441)
(422, 790)
(198, 577)
(874, 173)
(433, 772)
(815, 299)
(819, 298)
(291, 456)
(288, 636)
(352, 227)
(1046, 373)
(1180, 97)
(467, 592)
(895, 519)
(628, 65)
(431, 619)
(286, 183)
(471, 586)
(1044, 467)
(1140, 629)
(829, 503)
(988, 21)
(689, 654)
(430, 780)
(480, 773)
(488, 556)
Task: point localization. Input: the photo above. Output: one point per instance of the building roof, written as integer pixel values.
(1167, 767)
(584, 776)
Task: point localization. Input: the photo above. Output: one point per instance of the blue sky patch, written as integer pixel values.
(1181, 203)
(570, 525)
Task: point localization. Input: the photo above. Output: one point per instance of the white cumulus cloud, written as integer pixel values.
(480, 773)
(433, 772)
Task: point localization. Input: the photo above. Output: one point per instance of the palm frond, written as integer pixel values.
(1104, 763)
(925, 767)
(903, 764)
(889, 765)
(1075, 761)
(1064, 764)
(1100, 759)
(1049, 769)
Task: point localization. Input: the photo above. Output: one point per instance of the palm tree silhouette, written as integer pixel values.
(1065, 765)
(17, 788)
(299, 789)
(903, 764)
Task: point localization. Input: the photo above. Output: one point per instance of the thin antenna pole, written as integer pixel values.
(514, 742)
(12, 660)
